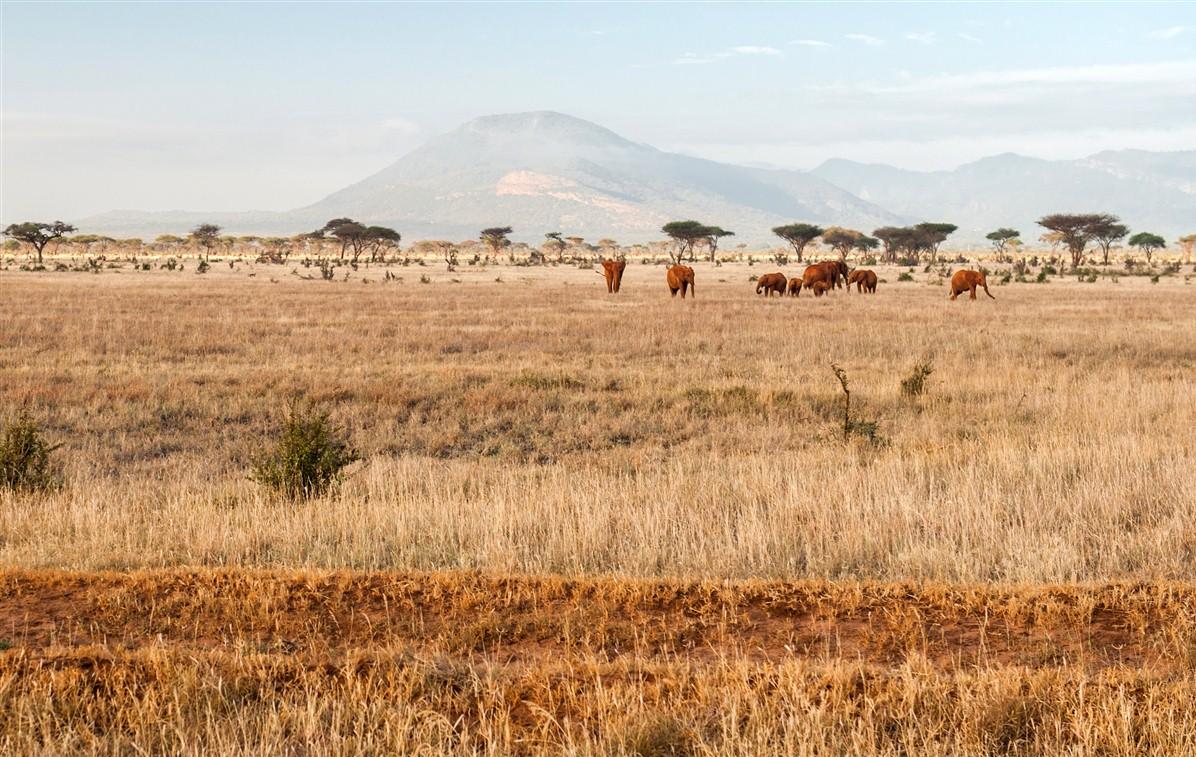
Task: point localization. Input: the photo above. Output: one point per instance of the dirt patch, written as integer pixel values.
(523, 620)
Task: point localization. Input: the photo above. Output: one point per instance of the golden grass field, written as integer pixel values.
(602, 524)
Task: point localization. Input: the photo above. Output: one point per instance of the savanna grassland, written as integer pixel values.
(602, 524)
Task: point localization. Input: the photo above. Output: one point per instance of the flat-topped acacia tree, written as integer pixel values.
(932, 234)
(685, 234)
(713, 235)
(1107, 231)
(38, 234)
(1075, 230)
(1001, 238)
(205, 236)
(798, 235)
(1148, 243)
(496, 238)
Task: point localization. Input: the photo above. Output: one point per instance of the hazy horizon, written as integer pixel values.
(227, 107)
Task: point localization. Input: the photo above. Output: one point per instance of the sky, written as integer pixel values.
(271, 106)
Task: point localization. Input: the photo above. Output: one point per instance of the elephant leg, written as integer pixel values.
(972, 296)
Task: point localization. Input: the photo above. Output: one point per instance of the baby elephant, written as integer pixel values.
(795, 286)
(771, 282)
(864, 280)
(820, 288)
(965, 280)
(681, 279)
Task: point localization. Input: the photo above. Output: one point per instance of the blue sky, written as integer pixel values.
(234, 106)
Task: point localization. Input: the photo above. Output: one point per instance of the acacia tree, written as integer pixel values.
(496, 238)
(205, 236)
(1186, 244)
(1148, 243)
(798, 235)
(554, 242)
(866, 244)
(1001, 239)
(685, 234)
(1074, 230)
(378, 239)
(931, 235)
(348, 232)
(1107, 230)
(713, 234)
(841, 240)
(38, 234)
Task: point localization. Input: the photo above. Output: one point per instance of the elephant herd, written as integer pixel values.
(818, 278)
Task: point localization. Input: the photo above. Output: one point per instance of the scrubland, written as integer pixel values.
(1002, 563)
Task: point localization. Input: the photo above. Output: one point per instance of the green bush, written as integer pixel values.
(25, 462)
(905, 277)
(307, 459)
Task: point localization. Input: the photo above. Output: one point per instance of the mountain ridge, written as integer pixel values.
(543, 171)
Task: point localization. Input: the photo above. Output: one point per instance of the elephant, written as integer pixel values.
(820, 288)
(965, 280)
(839, 272)
(613, 271)
(828, 271)
(681, 279)
(864, 280)
(771, 282)
(795, 286)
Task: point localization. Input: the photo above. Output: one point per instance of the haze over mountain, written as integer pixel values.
(545, 171)
(1153, 191)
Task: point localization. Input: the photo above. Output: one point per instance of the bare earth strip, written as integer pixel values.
(452, 662)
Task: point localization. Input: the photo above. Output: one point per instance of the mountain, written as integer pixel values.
(546, 171)
(1154, 191)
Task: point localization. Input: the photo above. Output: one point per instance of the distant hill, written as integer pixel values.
(546, 171)
(1150, 191)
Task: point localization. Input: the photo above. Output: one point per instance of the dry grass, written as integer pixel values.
(244, 662)
(641, 450)
(538, 425)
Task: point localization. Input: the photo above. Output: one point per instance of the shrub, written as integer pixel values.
(202, 267)
(905, 276)
(915, 383)
(308, 457)
(25, 462)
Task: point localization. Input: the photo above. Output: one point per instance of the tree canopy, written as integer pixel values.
(38, 234)
(842, 240)
(798, 235)
(932, 234)
(1148, 243)
(1001, 238)
(1075, 230)
(686, 234)
(496, 237)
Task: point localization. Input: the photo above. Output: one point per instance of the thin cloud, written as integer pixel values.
(811, 43)
(866, 39)
(754, 50)
(1181, 72)
(969, 38)
(1171, 32)
(693, 59)
(922, 38)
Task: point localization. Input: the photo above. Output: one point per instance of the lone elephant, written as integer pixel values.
(864, 280)
(771, 282)
(965, 280)
(681, 279)
(613, 271)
